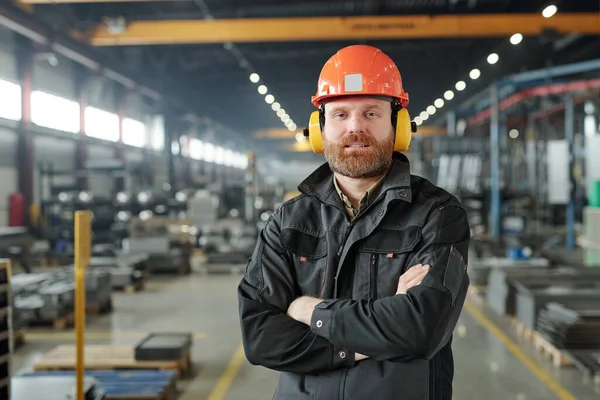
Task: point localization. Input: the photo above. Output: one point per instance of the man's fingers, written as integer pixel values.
(413, 272)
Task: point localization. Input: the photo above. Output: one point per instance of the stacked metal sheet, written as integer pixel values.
(501, 290)
(572, 327)
(164, 346)
(532, 298)
(125, 269)
(50, 295)
(479, 268)
(161, 256)
(6, 331)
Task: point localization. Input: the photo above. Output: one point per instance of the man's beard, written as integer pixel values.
(373, 162)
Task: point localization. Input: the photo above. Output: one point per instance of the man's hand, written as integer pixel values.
(302, 308)
(412, 277)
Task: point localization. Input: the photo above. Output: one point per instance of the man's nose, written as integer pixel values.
(356, 124)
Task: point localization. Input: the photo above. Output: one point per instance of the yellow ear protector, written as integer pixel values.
(400, 121)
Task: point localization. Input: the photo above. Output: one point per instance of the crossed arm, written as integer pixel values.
(325, 334)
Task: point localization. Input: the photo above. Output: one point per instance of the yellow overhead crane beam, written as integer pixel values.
(340, 28)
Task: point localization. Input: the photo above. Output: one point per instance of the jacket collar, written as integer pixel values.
(320, 183)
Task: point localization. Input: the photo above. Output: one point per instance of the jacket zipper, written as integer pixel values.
(373, 265)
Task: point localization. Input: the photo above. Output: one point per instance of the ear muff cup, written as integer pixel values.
(315, 136)
(404, 130)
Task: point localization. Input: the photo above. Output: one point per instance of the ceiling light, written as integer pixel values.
(431, 110)
(300, 137)
(513, 133)
(262, 89)
(269, 98)
(475, 73)
(424, 115)
(439, 103)
(254, 78)
(493, 58)
(275, 106)
(280, 112)
(460, 86)
(292, 127)
(418, 120)
(549, 11)
(285, 118)
(289, 122)
(516, 39)
(449, 95)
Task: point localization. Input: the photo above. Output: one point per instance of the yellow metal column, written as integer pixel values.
(83, 244)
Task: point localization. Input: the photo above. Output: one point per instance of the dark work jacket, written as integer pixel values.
(309, 247)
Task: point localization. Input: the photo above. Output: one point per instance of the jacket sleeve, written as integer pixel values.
(270, 337)
(419, 323)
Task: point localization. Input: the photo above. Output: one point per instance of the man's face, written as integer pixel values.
(358, 138)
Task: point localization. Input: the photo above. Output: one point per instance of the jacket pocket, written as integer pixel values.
(307, 251)
(382, 260)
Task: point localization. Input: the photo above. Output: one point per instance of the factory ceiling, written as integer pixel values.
(169, 44)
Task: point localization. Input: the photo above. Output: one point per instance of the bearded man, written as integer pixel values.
(356, 285)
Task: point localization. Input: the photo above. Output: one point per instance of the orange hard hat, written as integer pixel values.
(360, 70)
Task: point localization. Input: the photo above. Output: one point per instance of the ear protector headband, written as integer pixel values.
(401, 123)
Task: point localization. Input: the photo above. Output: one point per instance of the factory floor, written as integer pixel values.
(491, 363)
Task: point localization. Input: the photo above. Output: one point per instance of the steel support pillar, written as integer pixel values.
(570, 137)
(81, 153)
(495, 164)
(451, 123)
(121, 99)
(25, 146)
(170, 137)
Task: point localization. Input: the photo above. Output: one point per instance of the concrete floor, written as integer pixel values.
(207, 306)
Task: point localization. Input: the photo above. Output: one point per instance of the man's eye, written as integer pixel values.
(339, 115)
(371, 114)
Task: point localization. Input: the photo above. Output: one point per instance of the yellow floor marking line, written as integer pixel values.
(39, 336)
(527, 361)
(225, 381)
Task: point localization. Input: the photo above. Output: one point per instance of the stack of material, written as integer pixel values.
(124, 269)
(50, 295)
(6, 330)
(41, 297)
(53, 388)
(501, 291)
(572, 327)
(479, 268)
(161, 257)
(531, 298)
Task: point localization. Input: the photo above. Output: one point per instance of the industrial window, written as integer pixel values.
(196, 149)
(229, 158)
(10, 101)
(242, 161)
(134, 133)
(101, 124)
(157, 138)
(209, 152)
(220, 156)
(54, 112)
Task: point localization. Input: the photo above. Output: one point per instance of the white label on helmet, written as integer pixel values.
(353, 83)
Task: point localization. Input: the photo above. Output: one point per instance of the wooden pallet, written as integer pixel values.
(558, 357)
(18, 339)
(62, 322)
(522, 331)
(106, 357)
(98, 308)
(132, 287)
(477, 294)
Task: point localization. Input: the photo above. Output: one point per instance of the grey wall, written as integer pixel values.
(8, 172)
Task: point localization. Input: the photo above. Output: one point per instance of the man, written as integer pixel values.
(356, 285)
